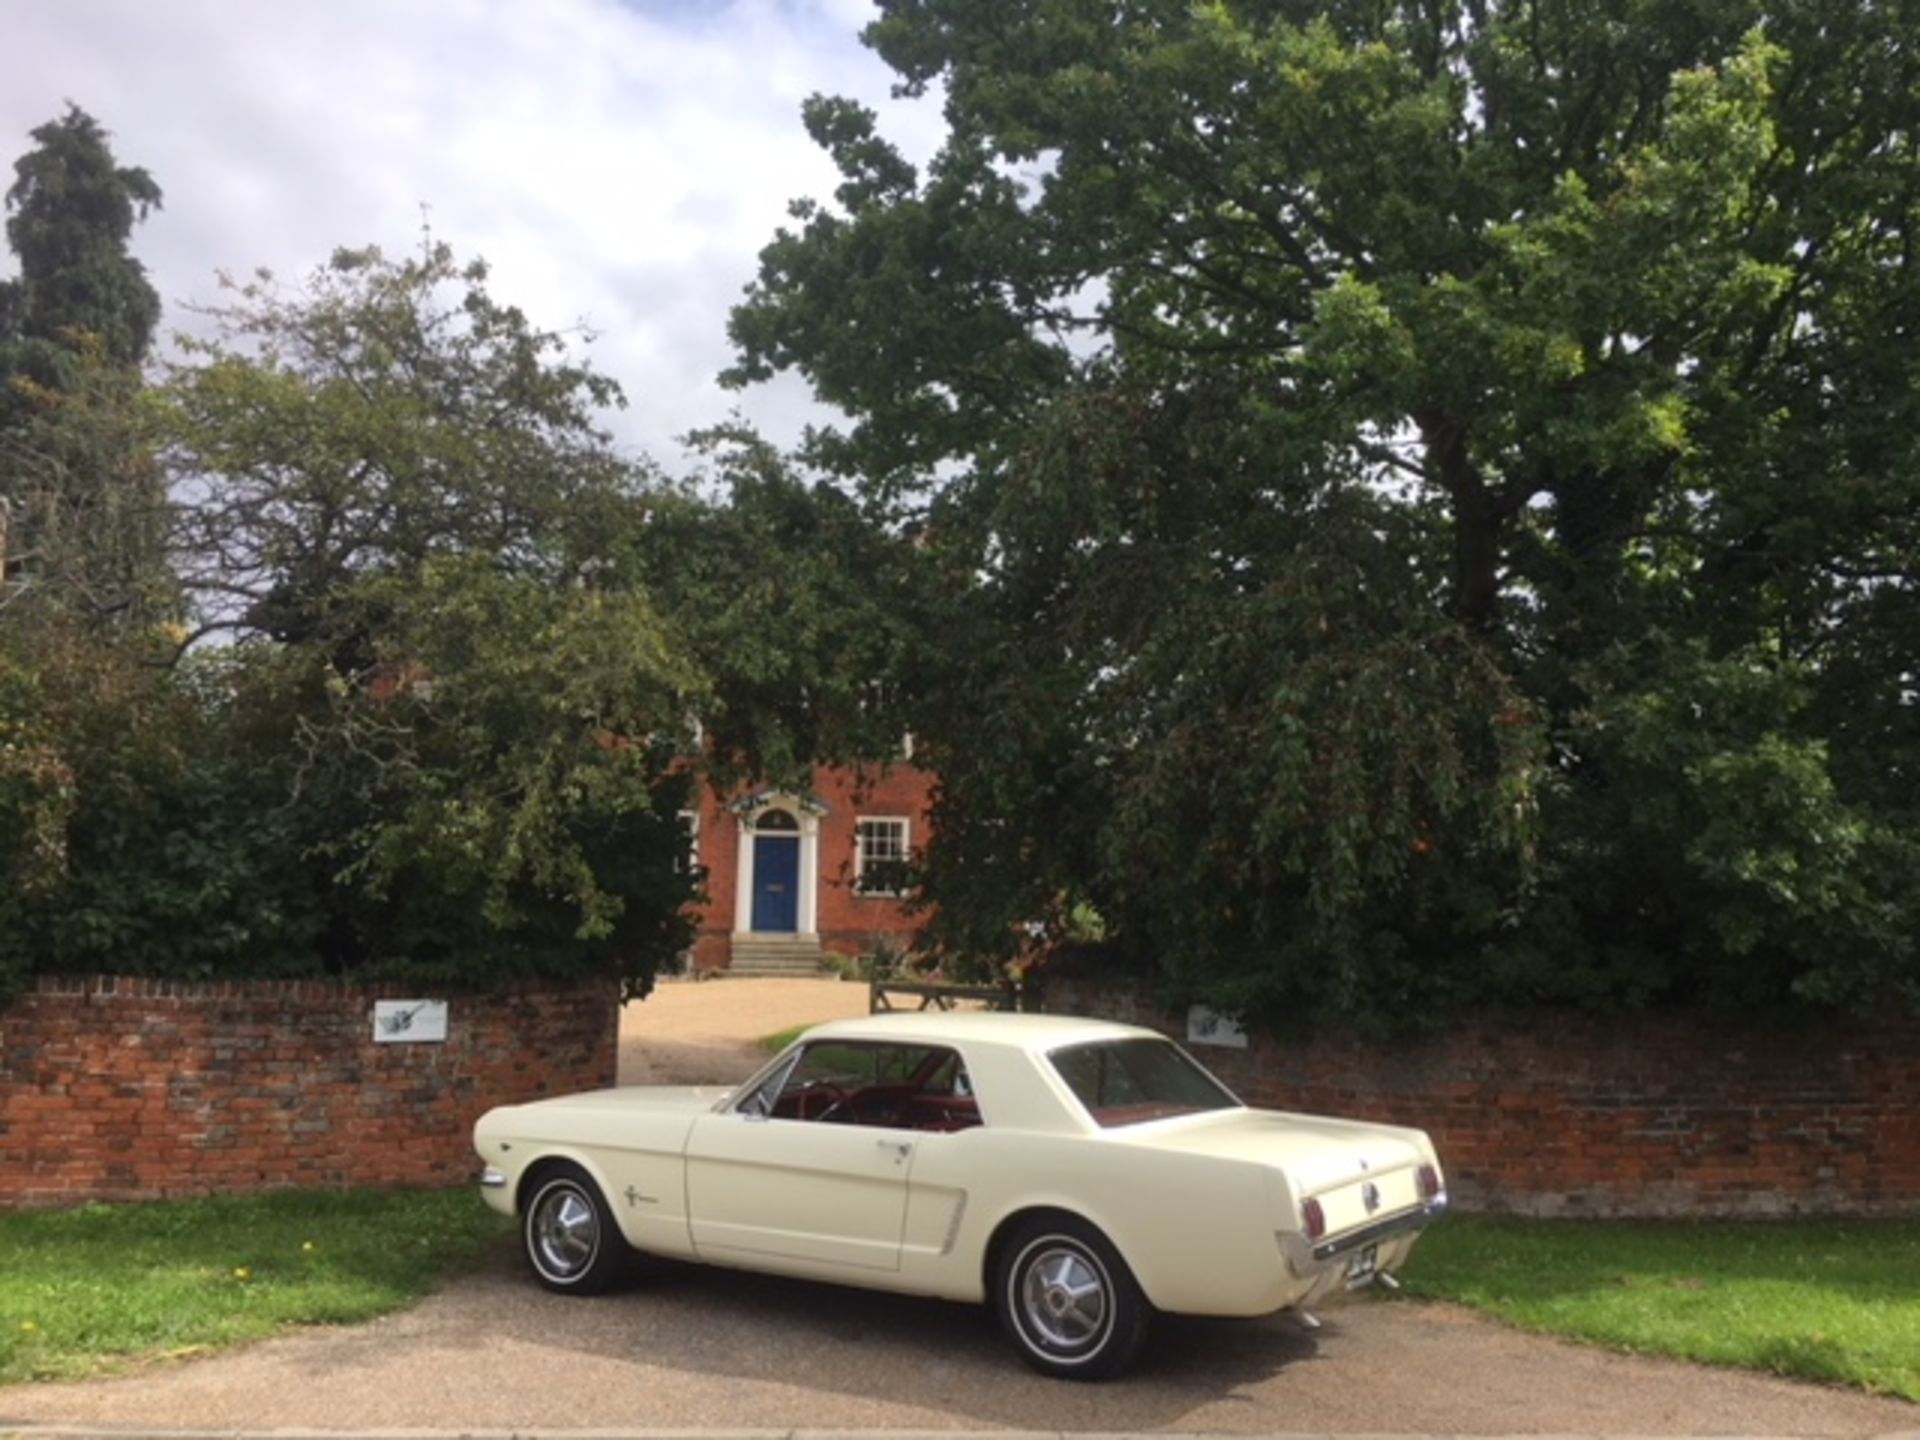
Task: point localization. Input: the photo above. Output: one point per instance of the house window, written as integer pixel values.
(690, 833)
(880, 856)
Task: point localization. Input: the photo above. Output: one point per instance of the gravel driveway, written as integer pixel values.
(708, 1033)
(691, 1348)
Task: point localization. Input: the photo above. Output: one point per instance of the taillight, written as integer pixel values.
(1315, 1218)
(1429, 1181)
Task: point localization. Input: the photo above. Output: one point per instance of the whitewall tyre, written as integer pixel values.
(570, 1236)
(1067, 1300)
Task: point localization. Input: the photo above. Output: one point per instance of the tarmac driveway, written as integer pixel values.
(691, 1348)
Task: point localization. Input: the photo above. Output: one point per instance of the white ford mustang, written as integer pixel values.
(1080, 1175)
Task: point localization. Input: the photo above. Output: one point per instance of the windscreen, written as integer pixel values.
(1123, 1082)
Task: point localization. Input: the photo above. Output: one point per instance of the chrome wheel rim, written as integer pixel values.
(565, 1232)
(1063, 1298)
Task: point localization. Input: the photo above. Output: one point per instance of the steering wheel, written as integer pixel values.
(804, 1095)
(842, 1109)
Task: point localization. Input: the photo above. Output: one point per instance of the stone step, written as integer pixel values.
(774, 956)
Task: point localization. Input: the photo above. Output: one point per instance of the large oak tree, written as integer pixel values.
(1424, 494)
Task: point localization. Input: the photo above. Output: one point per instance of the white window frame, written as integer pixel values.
(905, 824)
(691, 819)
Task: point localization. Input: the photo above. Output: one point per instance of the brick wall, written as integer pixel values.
(1662, 1115)
(123, 1089)
(849, 921)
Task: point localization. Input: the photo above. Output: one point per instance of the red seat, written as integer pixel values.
(942, 1112)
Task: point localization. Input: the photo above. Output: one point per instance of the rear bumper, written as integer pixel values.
(1322, 1261)
(1366, 1235)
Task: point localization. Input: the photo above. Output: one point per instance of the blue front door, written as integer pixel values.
(776, 883)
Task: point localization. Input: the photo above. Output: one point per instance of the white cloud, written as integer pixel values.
(618, 164)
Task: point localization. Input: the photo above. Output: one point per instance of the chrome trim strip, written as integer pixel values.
(953, 1225)
(492, 1179)
(1373, 1234)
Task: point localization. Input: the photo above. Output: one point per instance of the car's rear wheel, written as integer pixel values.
(572, 1241)
(1067, 1300)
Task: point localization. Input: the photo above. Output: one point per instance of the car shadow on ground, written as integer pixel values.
(932, 1355)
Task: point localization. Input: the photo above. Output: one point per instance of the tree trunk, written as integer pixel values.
(1478, 523)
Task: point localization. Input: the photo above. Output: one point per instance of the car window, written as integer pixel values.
(949, 1078)
(852, 1082)
(1122, 1082)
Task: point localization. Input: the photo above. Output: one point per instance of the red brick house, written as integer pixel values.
(790, 876)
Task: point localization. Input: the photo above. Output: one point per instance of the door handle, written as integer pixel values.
(901, 1148)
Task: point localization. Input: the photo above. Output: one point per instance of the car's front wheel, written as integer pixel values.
(571, 1238)
(1067, 1300)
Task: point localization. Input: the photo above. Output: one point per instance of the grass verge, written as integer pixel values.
(1835, 1302)
(84, 1290)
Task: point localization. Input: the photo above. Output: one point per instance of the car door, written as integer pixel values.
(801, 1183)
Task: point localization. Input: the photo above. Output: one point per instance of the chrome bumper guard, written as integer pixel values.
(1382, 1230)
(492, 1179)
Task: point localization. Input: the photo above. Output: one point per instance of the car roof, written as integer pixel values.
(1036, 1033)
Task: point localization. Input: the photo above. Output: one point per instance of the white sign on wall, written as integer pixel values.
(404, 1021)
(1210, 1027)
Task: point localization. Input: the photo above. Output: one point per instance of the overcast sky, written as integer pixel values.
(619, 164)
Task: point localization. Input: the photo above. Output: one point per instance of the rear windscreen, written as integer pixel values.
(1122, 1082)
